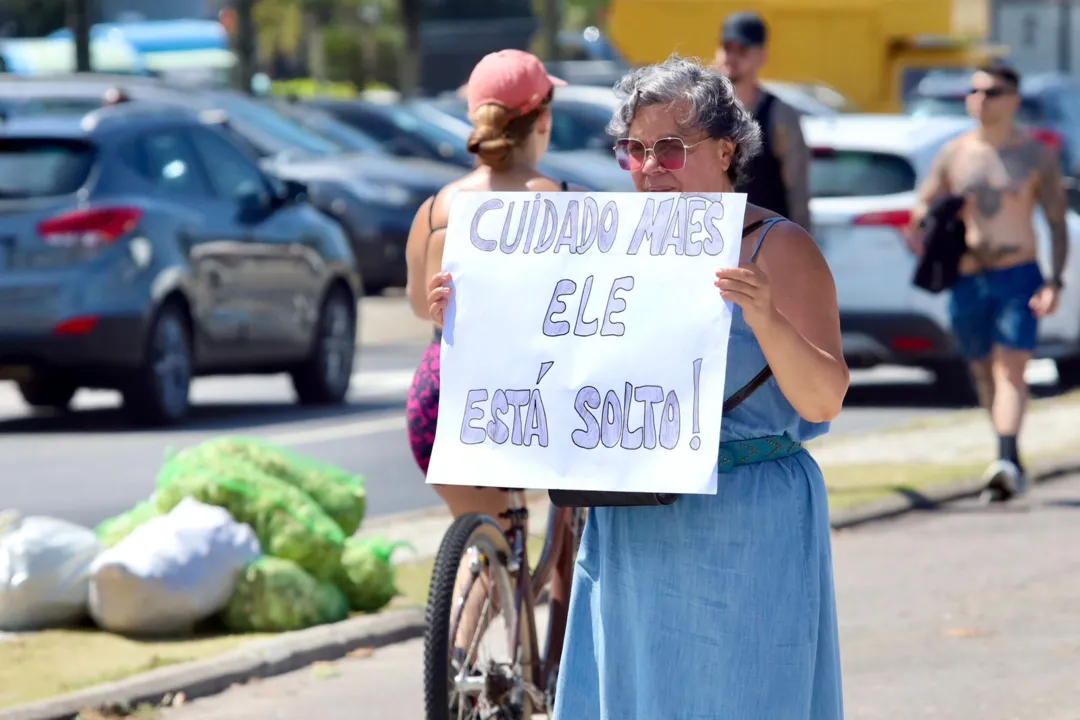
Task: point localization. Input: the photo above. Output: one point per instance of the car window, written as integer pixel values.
(398, 132)
(1030, 111)
(379, 128)
(579, 127)
(167, 161)
(43, 167)
(336, 131)
(230, 171)
(845, 173)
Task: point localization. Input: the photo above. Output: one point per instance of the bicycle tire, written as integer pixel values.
(462, 534)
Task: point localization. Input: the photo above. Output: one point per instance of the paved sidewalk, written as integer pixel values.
(966, 612)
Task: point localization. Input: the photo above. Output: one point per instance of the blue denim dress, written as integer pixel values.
(719, 607)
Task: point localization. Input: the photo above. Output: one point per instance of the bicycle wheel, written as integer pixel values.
(458, 683)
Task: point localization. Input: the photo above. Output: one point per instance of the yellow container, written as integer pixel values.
(862, 48)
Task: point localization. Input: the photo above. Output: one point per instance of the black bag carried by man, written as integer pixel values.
(945, 244)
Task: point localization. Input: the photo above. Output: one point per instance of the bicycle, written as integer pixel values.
(455, 685)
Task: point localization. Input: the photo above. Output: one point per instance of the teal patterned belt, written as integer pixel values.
(755, 450)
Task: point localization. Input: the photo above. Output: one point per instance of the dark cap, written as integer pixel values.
(745, 28)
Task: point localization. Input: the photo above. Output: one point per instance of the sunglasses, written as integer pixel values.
(992, 92)
(670, 153)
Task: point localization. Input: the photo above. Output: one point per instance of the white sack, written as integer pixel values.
(171, 572)
(44, 571)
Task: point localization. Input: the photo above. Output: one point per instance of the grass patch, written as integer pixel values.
(951, 419)
(853, 485)
(55, 662)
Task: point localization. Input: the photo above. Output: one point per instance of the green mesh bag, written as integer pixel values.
(366, 575)
(338, 492)
(112, 531)
(287, 521)
(277, 595)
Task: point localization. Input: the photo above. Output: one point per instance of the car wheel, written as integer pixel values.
(1068, 370)
(161, 392)
(48, 392)
(953, 383)
(325, 376)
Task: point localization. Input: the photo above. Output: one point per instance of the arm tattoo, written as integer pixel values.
(794, 159)
(1054, 202)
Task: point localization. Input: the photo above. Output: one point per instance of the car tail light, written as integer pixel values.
(76, 326)
(1051, 138)
(89, 228)
(911, 344)
(822, 152)
(897, 219)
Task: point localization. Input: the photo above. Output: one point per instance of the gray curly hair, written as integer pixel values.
(714, 107)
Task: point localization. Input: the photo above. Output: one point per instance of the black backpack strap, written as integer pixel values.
(754, 226)
(747, 390)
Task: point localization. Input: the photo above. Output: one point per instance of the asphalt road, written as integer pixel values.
(963, 612)
(90, 464)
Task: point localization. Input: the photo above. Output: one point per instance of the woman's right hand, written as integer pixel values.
(439, 296)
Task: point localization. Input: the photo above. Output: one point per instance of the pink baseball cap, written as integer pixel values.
(514, 79)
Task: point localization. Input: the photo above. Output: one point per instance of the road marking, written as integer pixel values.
(390, 381)
(360, 428)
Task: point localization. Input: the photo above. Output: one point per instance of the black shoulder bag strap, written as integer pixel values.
(594, 498)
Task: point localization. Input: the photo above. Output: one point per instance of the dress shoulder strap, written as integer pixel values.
(739, 396)
(769, 224)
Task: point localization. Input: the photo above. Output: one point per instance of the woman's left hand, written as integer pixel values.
(748, 287)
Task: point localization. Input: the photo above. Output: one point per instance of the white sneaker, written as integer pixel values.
(1004, 480)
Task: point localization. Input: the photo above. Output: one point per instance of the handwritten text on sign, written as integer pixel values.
(584, 331)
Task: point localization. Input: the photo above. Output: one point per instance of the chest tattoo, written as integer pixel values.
(986, 176)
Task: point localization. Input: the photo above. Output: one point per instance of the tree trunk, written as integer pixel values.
(79, 21)
(244, 45)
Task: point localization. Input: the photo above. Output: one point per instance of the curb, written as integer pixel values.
(931, 498)
(260, 659)
(295, 650)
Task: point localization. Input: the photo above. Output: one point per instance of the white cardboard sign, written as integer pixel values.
(585, 344)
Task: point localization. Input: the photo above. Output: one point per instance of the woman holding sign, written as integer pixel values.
(719, 606)
(509, 95)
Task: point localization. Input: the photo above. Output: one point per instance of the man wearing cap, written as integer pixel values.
(778, 177)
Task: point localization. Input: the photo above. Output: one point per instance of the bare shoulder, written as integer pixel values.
(955, 146)
(542, 183)
(791, 257)
(756, 213)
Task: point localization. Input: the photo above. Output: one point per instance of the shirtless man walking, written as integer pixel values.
(1002, 172)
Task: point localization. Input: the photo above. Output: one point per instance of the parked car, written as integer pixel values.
(1049, 103)
(141, 248)
(863, 180)
(374, 196)
(324, 124)
(803, 99)
(422, 128)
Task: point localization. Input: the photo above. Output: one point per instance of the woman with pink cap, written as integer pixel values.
(509, 94)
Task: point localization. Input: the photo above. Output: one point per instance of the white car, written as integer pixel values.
(863, 178)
